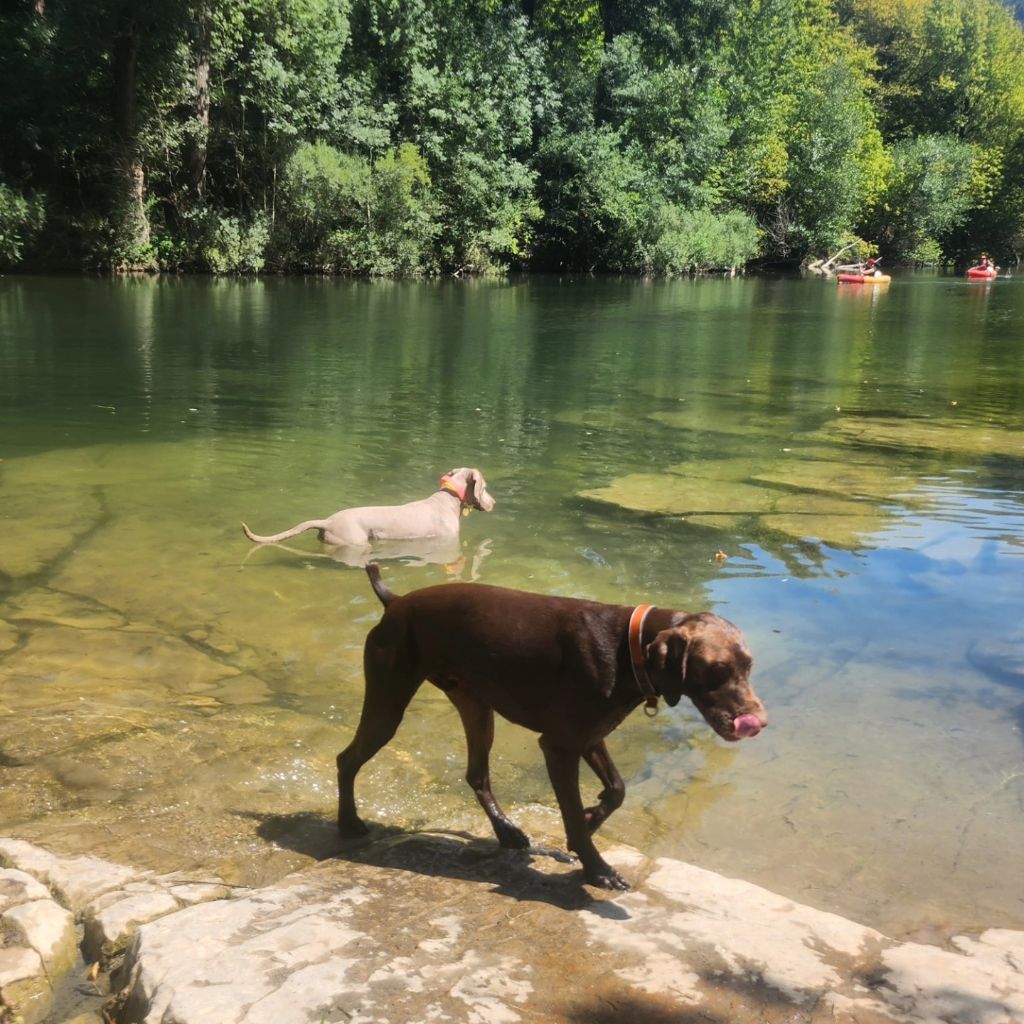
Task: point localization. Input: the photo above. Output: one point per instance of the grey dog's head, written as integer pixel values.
(474, 485)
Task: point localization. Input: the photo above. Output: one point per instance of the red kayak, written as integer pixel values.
(982, 273)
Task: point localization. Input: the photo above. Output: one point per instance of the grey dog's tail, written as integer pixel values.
(309, 524)
(386, 596)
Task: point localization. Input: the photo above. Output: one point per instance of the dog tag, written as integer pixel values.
(465, 511)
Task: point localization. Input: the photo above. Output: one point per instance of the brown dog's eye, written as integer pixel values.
(717, 675)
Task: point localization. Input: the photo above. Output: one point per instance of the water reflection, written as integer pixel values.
(449, 552)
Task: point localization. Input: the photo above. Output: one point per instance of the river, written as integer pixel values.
(838, 470)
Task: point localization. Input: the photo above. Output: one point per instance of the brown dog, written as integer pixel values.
(571, 670)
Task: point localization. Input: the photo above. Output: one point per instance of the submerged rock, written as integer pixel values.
(973, 439)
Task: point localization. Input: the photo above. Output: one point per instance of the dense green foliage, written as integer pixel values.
(385, 137)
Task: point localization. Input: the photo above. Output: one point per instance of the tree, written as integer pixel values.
(955, 68)
(927, 196)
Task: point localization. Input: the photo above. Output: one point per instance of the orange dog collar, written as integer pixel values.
(447, 485)
(636, 657)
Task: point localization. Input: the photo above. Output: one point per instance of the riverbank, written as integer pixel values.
(431, 926)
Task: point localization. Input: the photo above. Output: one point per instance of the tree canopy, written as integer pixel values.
(403, 137)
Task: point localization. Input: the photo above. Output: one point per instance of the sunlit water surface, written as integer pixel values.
(839, 471)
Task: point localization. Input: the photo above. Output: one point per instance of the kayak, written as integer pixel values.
(982, 273)
(863, 278)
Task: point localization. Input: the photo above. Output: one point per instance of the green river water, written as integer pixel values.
(172, 696)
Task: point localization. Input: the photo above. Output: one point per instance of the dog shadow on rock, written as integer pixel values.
(453, 855)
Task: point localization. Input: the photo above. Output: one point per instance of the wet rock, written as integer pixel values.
(832, 476)
(78, 879)
(8, 636)
(42, 521)
(39, 940)
(982, 982)
(61, 609)
(107, 930)
(437, 927)
(426, 927)
(1001, 659)
(112, 919)
(795, 950)
(24, 987)
(38, 943)
(838, 531)
(19, 887)
(672, 494)
(23, 973)
(47, 928)
(94, 663)
(243, 689)
(968, 439)
(805, 498)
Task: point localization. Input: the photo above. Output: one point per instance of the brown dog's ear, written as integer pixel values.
(667, 655)
(667, 648)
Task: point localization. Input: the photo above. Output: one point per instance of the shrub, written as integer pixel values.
(21, 219)
(236, 247)
(926, 253)
(930, 192)
(341, 213)
(691, 240)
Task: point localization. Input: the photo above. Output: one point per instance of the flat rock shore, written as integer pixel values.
(424, 927)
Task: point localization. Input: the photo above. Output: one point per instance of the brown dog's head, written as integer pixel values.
(704, 657)
(475, 486)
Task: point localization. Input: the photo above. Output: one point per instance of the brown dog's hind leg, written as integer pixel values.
(610, 798)
(478, 721)
(564, 770)
(388, 692)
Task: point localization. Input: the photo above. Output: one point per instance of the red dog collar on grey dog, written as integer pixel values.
(447, 485)
(636, 657)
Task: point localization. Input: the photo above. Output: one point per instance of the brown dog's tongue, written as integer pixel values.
(746, 725)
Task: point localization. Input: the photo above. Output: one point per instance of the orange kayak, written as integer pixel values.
(982, 273)
(863, 278)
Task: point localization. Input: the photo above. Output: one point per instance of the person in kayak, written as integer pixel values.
(985, 263)
(871, 267)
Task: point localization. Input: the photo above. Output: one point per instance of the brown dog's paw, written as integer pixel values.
(352, 828)
(511, 837)
(607, 878)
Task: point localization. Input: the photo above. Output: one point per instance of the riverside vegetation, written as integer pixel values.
(411, 137)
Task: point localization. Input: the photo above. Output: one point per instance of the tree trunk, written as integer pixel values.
(130, 220)
(195, 156)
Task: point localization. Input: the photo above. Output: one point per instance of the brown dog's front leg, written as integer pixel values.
(564, 771)
(610, 798)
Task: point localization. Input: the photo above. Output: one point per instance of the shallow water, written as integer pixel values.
(171, 695)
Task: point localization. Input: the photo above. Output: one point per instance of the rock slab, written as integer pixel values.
(428, 927)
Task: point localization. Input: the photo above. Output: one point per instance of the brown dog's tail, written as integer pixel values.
(386, 596)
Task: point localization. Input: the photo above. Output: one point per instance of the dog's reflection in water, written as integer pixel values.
(445, 551)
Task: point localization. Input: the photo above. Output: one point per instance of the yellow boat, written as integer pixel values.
(863, 278)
